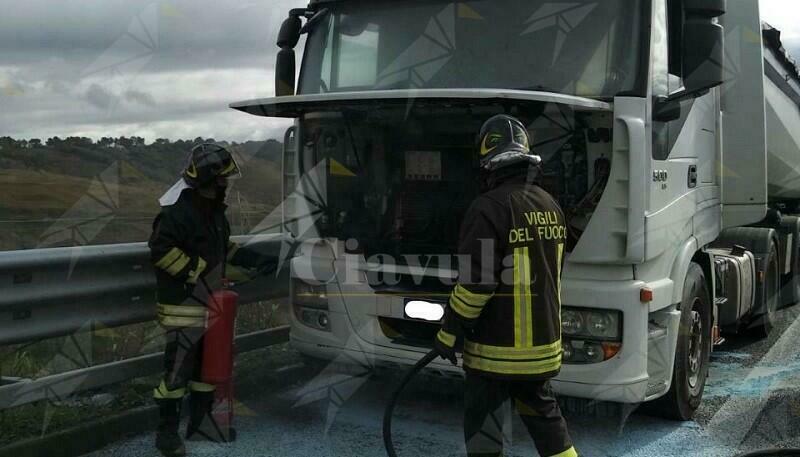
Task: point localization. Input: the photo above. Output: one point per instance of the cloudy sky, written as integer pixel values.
(159, 69)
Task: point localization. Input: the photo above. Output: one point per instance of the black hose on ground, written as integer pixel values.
(775, 452)
(387, 415)
(431, 356)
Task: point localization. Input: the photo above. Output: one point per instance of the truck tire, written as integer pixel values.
(790, 289)
(790, 283)
(763, 322)
(693, 350)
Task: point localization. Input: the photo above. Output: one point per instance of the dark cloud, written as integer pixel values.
(99, 97)
(191, 32)
(143, 98)
(133, 66)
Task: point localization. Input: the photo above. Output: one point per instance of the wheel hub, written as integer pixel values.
(695, 348)
(772, 292)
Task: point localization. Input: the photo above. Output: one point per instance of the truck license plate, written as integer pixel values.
(424, 310)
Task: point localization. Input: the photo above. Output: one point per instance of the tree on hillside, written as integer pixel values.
(6, 142)
(271, 150)
(81, 142)
(124, 142)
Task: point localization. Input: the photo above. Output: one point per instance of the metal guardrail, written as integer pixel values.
(45, 293)
(64, 385)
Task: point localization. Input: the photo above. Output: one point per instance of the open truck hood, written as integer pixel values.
(297, 105)
(399, 213)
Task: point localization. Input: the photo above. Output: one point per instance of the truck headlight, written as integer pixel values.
(310, 304)
(583, 351)
(571, 322)
(314, 318)
(603, 325)
(309, 295)
(590, 335)
(594, 352)
(597, 324)
(566, 353)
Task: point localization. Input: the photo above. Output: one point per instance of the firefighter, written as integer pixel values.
(190, 248)
(506, 304)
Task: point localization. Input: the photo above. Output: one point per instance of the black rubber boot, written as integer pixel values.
(201, 423)
(168, 441)
(202, 426)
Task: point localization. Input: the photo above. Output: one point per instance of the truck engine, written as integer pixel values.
(400, 185)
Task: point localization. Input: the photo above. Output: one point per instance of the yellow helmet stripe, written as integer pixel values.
(229, 169)
(485, 149)
(192, 171)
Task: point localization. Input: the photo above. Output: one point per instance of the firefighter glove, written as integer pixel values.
(445, 346)
(451, 331)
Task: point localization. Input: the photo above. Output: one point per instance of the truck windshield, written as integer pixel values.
(580, 47)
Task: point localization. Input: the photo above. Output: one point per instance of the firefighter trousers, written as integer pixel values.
(487, 419)
(183, 355)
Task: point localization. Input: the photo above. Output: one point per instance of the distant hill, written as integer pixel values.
(76, 191)
(160, 160)
(266, 150)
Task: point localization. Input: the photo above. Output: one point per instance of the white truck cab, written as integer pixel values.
(652, 118)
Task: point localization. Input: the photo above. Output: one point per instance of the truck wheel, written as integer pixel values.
(762, 325)
(693, 350)
(790, 283)
(794, 282)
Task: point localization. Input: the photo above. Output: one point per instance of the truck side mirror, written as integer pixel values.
(288, 37)
(703, 45)
(285, 73)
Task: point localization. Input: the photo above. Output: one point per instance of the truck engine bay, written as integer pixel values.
(399, 183)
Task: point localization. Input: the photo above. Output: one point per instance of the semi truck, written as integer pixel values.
(669, 132)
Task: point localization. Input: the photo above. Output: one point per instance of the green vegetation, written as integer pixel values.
(45, 417)
(74, 191)
(104, 345)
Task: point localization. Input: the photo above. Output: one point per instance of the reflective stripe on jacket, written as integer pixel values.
(188, 246)
(508, 293)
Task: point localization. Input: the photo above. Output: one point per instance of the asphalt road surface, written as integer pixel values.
(752, 401)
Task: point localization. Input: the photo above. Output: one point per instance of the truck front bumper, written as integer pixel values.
(642, 368)
(628, 377)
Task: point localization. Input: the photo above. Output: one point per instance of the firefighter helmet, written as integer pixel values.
(504, 141)
(207, 162)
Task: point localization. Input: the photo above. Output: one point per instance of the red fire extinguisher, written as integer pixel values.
(218, 353)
